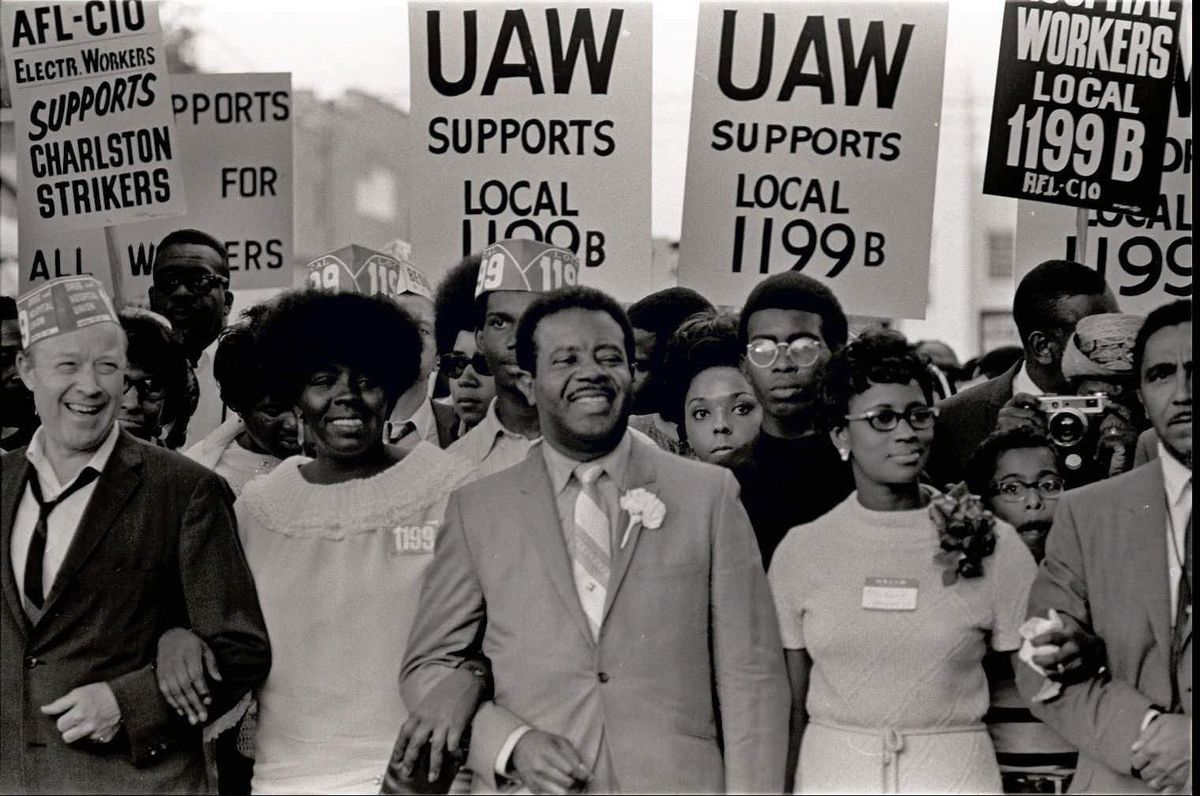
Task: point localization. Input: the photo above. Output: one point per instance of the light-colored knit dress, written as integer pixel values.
(338, 569)
(896, 698)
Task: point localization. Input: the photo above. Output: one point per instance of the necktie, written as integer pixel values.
(34, 590)
(590, 546)
(1183, 613)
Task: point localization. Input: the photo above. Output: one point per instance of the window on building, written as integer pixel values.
(1000, 253)
(997, 328)
(375, 195)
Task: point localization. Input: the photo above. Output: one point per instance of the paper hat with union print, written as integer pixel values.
(61, 306)
(357, 269)
(525, 265)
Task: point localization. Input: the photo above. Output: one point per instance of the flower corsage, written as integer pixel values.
(644, 507)
(966, 531)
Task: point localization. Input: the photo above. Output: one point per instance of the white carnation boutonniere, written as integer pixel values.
(644, 507)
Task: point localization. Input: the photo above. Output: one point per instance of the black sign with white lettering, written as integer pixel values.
(1082, 96)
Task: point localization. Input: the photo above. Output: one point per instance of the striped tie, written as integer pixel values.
(590, 546)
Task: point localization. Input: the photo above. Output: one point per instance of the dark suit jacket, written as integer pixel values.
(964, 421)
(1106, 565)
(157, 548)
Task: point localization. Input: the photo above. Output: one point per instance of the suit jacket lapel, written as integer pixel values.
(1002, 388)
(10, 499)
(116, 484)
(643, 474)
(540, 515)
(1146, 549)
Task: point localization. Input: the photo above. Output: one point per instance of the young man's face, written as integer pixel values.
(784, 388)
(1024, 493)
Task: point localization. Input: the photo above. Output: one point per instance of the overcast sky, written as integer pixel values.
(363, 44)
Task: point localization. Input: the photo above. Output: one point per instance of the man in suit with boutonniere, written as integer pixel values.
(617, 590)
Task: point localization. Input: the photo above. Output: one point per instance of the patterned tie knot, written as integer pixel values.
(589, 474)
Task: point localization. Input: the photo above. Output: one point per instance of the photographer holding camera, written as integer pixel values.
(1049, 302)
(1095, 425)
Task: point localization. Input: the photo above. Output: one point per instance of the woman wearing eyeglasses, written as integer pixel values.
(472, 387)
(885, 628)
(156, 379)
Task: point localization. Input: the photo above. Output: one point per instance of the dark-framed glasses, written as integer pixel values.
(148, 388)
(454, 363)
(918, 418)
(803, 352)
(193, 281)
(1013, 490)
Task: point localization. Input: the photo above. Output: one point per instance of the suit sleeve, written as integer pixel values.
(751, 680)
(1101, 716)
(450, 615)
(490, 730)
(222, 608)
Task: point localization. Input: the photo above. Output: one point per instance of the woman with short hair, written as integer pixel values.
(706, 395)
(339, 543)
(156, 381)
(887, 603)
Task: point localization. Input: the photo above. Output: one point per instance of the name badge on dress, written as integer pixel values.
(413, 540)
(890, 594)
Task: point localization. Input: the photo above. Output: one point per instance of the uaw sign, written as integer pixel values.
(234, 142)
(95, 139)
(1081, 104)
(813, 147)
(1145, 258)
(532, 120)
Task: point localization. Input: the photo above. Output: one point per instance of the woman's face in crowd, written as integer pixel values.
(645, 348)
(721, 416)
(272, 425)
(893, 457)
(344, 412)
(142, 404)
(1031, 515)
(471, 392)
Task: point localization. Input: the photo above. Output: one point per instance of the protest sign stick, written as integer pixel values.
(1081, 234)
(114, 266)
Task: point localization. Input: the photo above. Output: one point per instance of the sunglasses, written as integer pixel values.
(454, 363)
(803, 352)
(148, 388)
(194, 281)
(918, 418)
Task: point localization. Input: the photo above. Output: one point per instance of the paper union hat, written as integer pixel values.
(526, 265)
(61, 306)
(357, 269)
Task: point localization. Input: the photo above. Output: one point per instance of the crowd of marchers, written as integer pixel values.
(508, 534)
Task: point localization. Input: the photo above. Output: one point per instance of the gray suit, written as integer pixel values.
(1106, 565)
(685, 688)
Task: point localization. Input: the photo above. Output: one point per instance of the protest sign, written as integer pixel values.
(533, 121)
(234, 137)
(1081, 104)
(813, 147)
(1146, 260)
(95, 140)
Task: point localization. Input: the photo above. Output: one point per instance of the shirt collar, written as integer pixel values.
(1023, 383)
(561, 466)
(37, 457)
(493, 429)
(1176, 476)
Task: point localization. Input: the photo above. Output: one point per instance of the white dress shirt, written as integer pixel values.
(1023, 383)
(63, 521)
(492, 446)
(1178, 481)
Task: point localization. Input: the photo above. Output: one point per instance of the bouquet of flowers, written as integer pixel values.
(966, 530)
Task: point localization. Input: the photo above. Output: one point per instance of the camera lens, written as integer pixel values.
(1066, 428)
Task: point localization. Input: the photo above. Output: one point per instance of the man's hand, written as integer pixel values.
(1021, 410)
(183, 657)
(548, 763)
(1163, 753)
(90, 711)
(440, 719)
(1080, 653)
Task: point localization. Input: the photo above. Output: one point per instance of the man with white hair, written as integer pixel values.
(106, 545)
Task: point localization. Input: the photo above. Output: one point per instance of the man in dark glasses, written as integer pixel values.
(191, 290)
(790, 326)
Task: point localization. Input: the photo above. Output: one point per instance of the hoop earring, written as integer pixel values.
(844, 454)
(300, 432)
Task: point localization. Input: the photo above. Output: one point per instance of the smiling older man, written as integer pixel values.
(105, 544)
